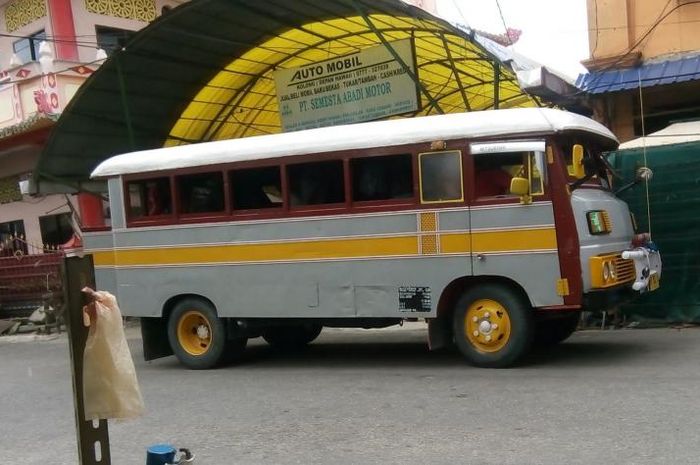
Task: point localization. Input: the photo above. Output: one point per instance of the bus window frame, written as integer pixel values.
(280, 213)
(510, 199)
(155, 220)
(413, 200)
(189, 218)
(333, 206)
(252, 213)
(462, 198)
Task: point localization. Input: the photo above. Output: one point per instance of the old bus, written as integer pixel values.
(496, 227)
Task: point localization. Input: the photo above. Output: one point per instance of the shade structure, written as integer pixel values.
(204, 70)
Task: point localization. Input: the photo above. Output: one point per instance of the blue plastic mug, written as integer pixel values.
(160, 454)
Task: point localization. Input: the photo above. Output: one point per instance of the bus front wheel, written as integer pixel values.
(493, 326)
(198, 336)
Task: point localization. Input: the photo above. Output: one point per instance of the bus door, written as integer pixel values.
(444, 226)
(512, 218)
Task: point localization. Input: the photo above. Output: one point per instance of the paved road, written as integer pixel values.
(379, 397)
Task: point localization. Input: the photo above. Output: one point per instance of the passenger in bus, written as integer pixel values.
(158, 201)
(154, 201)
(372, 185)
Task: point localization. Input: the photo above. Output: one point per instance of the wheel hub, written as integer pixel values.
(487, 325)
(203, 332)
(194, 332)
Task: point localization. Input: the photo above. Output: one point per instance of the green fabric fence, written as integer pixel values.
(674, 194)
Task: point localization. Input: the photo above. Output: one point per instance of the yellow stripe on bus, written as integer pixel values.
(287, 251)
(510, 241)
(346, 248)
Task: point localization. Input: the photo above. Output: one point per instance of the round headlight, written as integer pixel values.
(607, 271)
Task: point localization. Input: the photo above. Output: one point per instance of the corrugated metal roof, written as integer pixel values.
(651, 74)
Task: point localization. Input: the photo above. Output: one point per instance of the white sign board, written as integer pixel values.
(364, 86)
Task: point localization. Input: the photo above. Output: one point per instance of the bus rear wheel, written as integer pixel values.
(493, 326)
(291, 337)
(198, 336)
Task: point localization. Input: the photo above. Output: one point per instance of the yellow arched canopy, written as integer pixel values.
(204, 72)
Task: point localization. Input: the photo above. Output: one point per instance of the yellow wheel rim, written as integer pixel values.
(194, 332)
(487, 325)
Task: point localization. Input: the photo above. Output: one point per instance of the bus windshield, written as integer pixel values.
(599, 173)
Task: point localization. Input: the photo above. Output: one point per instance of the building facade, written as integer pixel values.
(48, 48)
(653, 45)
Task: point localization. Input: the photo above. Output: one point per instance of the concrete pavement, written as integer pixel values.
(379, 397)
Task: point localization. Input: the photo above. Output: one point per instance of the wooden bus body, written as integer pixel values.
(471, 221)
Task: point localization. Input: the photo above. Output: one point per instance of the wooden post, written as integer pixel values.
(93, 441)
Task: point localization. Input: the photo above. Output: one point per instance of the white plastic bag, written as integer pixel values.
(110, 387)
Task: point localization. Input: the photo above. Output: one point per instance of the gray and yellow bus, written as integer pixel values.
(496, 227)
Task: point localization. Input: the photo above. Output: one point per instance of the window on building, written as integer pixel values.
(382, 178)
(494, 171)
(111, 39)
(316, 183)
(255, 188)
(12, 238)
(441, 176)
(56, 229)
(27, 49)
(201, 193)
(149, 197)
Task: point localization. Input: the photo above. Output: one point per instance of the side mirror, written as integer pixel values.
(579, 172)
(521, 188)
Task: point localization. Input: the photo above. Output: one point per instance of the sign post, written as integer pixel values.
(364, 86)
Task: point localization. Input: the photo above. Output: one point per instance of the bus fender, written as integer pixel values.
(154, 334)
(440, 328)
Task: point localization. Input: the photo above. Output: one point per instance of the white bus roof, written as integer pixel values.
(520, 121)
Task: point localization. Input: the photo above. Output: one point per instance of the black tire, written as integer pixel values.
(552, 331)
(292, 336)
(503, 321)
(198, 336)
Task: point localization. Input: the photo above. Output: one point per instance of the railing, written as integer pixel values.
(28, 281)
(14, 245)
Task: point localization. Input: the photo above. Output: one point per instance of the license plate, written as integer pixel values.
(653, 282)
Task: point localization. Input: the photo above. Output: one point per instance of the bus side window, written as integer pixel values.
(201, 193)
(149, 197)
(382, 178)
(441, 176)
(316, 183)
(256, 188)
(494, 171)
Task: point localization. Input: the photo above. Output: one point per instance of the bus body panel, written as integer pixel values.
(323, 267)
(311, 290)
(518, 242)
(117, 216)
(584, 200)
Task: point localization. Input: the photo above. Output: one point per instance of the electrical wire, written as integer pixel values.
(597, 29)
(503, 20)
(644, 149)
